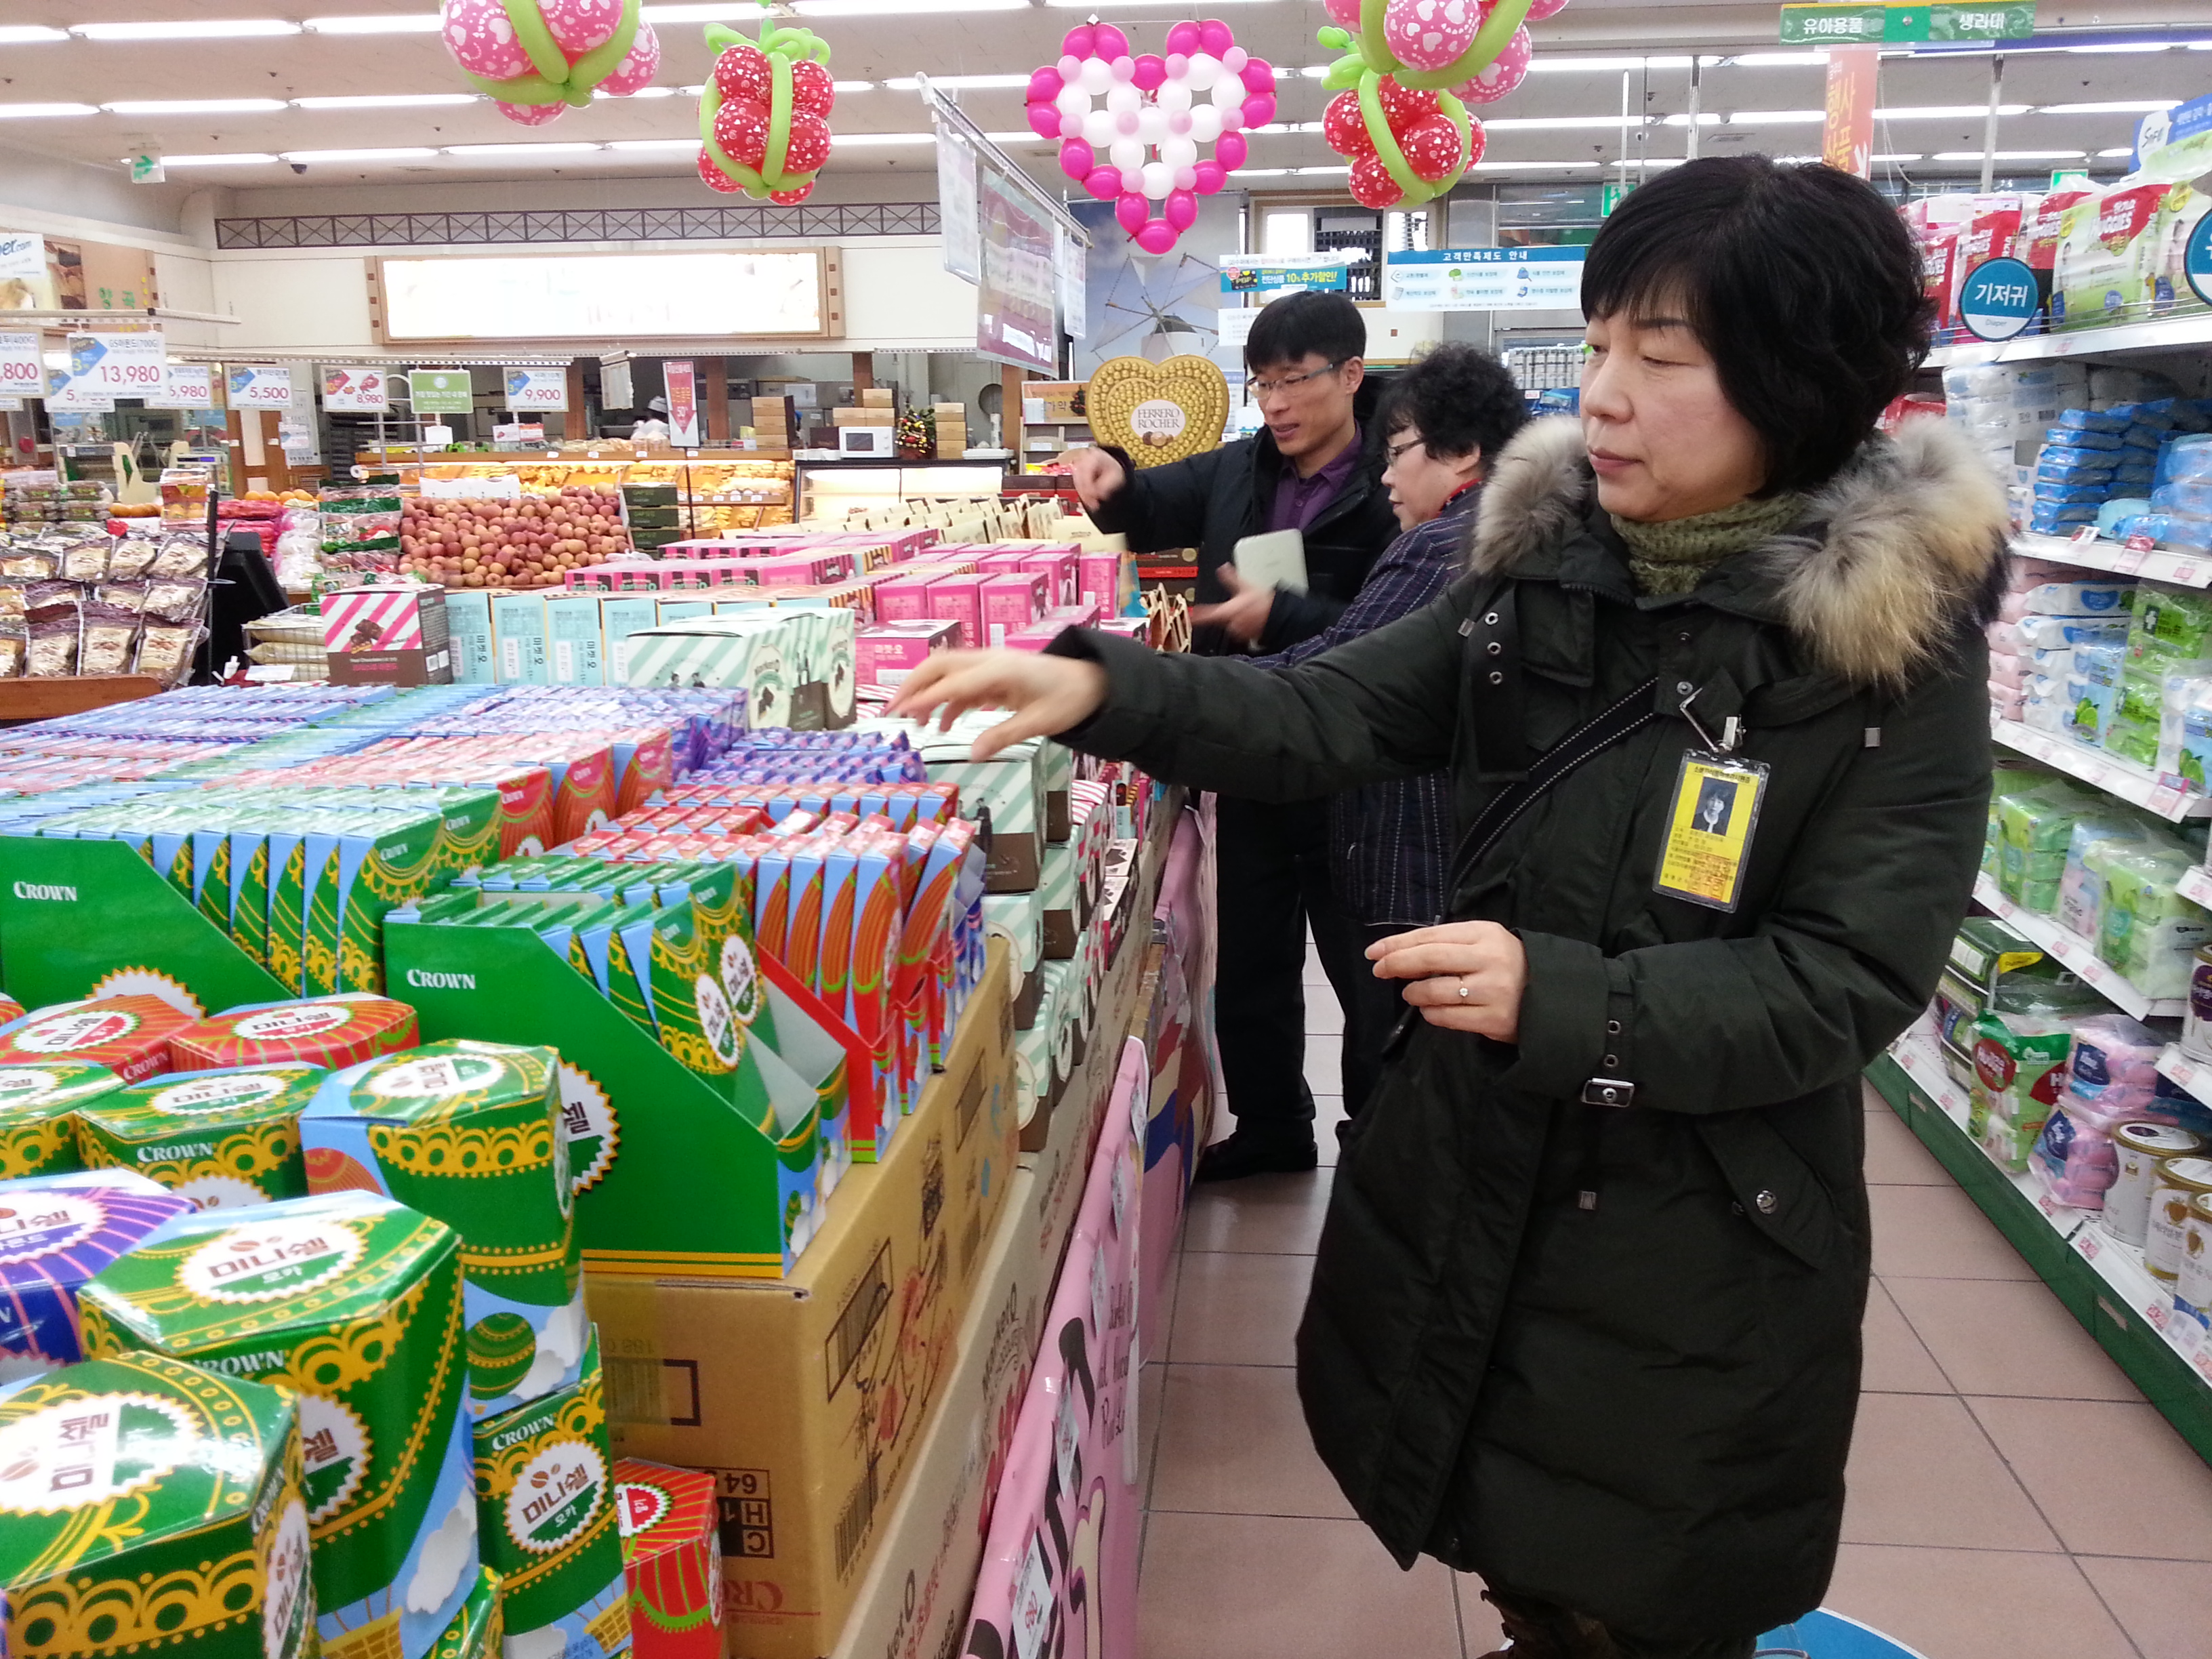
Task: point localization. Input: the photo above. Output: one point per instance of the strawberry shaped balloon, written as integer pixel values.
(534, 59)
(1410, 69)
(1144, 150)
(764, 117)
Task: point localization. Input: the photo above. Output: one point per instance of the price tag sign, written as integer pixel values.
(2129, 560)
(120, 364)
(440, 392)
(2086, 533)
(2088, 1243)
(356, 391)
(187, 386)
(22, 368)
(67, 395)
(261, 386)
(537, 388)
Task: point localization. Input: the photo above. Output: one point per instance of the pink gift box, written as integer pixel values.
(1098, 580)
(960, 598)
(1011, 602)
(1060, 567)
(886, 655)
(902, 598)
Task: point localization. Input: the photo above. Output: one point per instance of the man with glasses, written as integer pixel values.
(1316, 468)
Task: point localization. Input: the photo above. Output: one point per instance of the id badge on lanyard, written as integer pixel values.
(1710, 824)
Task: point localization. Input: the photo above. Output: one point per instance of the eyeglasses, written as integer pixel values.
(1292, 382)
(1394, 452)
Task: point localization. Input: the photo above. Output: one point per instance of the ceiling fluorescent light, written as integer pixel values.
(386, 101)
(1262, 173)
(1024, 136)
(2125, 152)
(655, 146)
(193, 105)
(2010, 155)
(1776, 60)
(852, 86)
(2124, 46)
(1537, 167)
(520, 151)
(642, 92)
(16, 112)
(1901, 161)
(1776, 118)
(1703, 120)
(855, 140)
(959, 82)
(2114, 107)
(1308, 172)
(401, 154)
(1564, 123)
(720, 14)
(1616, 65)
(24, 35)
(241, 160)
(181, 28)
(405, 22)
(899, 8)
(1946, 112)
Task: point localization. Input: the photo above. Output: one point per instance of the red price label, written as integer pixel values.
(2139, 542)
(2086, 533)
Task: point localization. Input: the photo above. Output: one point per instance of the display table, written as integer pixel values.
(46, 699)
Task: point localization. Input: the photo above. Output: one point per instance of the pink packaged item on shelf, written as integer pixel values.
(2008, 672)
(960, 598)
(1080, 615)
(1011, 602)
(1098, 580)
(885, 654)
(1059, 567)
(902, 598)
(2020, 575)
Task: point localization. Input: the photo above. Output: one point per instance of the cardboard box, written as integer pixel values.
(878, 396)
(468, 631)
(805, 1398)
(867, 415)
(1011, 601)
(960, 598)
(518, 636)
(885, 655)
(388, 636)
(575, 649)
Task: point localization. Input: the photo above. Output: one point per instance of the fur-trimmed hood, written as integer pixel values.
(1891, 557)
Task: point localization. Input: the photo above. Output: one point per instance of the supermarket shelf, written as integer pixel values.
(2078, 954)
(2183, 570)
(2195, 886)
(2194, 1075)
(2160, 334)
(2101, 1282)
(49, 699)
(2137, 785)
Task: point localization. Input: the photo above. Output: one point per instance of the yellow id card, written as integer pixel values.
(1708, 829)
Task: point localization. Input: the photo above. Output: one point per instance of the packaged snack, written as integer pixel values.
(332, 1031)
(226, 1140)
(38, 1107)
(55, 1232)
(672, 1548)
(129, 1035)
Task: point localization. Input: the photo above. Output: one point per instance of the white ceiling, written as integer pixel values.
(1578, 56)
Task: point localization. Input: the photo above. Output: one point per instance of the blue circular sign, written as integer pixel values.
(1998, 298)
(2197, 260)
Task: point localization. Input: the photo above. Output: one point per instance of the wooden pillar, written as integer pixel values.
(236, 448)
(1011, 379)
(714, 392)
(863, 372)
(574, 423)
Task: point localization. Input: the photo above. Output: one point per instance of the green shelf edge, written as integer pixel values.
(2163, 1375)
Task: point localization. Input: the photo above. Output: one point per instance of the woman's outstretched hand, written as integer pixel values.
(1484, 958)
(1045, 695)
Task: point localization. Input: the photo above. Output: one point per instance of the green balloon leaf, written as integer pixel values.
(536, 39)
(1493, 37)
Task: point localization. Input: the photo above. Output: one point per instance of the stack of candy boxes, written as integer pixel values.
(359, 1256)
(2068, 1090)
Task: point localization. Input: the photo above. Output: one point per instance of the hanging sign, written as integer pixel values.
(363, 390)
(440, 392)
(1485, 279)
(120, 364)
(260, 386)
(1016, 301)
(957, 208)
(22, 366)
(1072, 266)
(1858, 23)
(537, 388)
(1266, 273)
(1847, 139)
(22, 255)
(68, 394)
(1998, 298)
(185, 385)
(2196, 259)
(681, 380)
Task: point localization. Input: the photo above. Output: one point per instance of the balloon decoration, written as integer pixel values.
(1410, 69)
(764, 117)
(534, 59)
(1142, 148)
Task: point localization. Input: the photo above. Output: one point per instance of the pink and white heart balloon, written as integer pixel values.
(1133, 129)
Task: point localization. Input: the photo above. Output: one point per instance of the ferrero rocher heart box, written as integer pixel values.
(1159, 412)
(55, 1232)
(130, 1035)
(469, 1132)
(672, 1553)
(545, 1502)
(335, 1030)
(148, 1506)
(354, 1304)
(38, 1114)
(226, 1140)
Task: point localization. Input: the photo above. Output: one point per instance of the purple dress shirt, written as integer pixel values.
(1299, 502)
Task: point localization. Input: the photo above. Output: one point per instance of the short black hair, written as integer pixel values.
(1298, 325)
(1800, 281)
(1460, 398)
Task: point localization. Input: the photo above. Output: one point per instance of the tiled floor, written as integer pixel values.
(2013, 1497)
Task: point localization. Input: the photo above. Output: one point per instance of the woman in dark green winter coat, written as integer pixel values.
(1585, 1316)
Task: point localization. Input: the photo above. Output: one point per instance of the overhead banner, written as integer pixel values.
(957, 208)
(22, 256)
(1264, 273)
(260, 386)
(440, 392)
(1847, 141)
(120, 365)
(1906, 21)
(1072, 270)
(1014, 303)
(362, 390)
(22, 365)
(681, 380)
(1485, 279)
(187, 386)
(538, 388)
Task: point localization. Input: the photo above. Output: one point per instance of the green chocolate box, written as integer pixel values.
(227, 1139)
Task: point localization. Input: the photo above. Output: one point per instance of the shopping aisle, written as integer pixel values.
(2013, 1497)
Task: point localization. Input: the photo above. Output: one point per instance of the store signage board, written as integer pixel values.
(753, 296)
(187, 386)
(1485, 279)
(1262, 274)
(120, 364)
(1856, 24)
(260, 386)
(536, 389)
(1073, 265)
(1998, 298)
(357, 390)
(2196, 259)
(22, 255)
(22, 365)
(957, 208)
(68, 395)
(681, 380)
(440, 392)
(10, 406)
(1847, 133)
(1015, 319)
